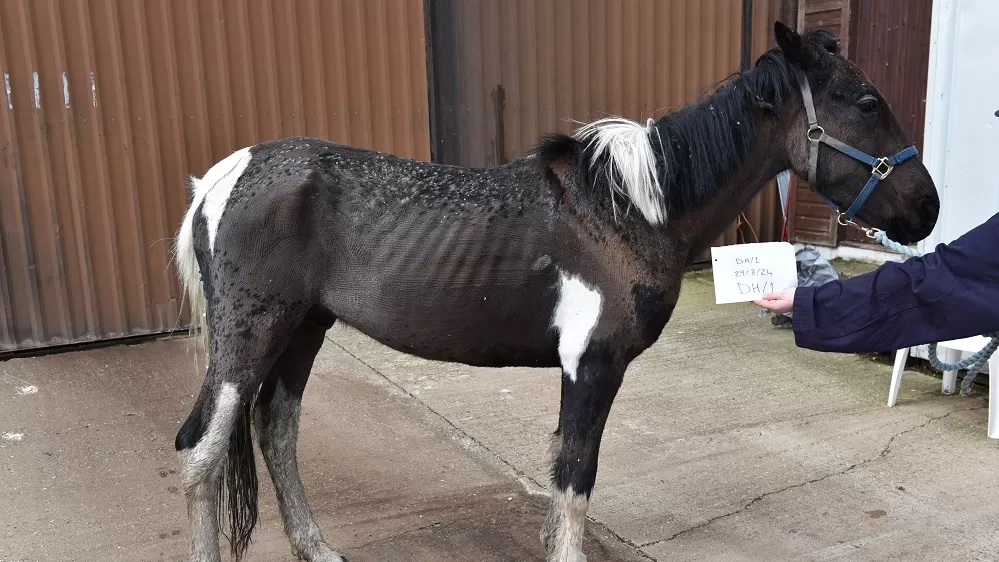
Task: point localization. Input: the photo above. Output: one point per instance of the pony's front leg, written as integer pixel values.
(587, 395)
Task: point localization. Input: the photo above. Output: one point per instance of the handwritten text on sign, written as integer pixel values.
(746, 272)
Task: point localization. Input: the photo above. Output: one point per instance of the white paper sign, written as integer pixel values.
(746, 272)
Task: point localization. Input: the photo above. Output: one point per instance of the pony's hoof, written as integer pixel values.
(331, 557)
(577, 556)
(321, 553)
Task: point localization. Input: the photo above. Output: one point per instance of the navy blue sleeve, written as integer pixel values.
(948, 294)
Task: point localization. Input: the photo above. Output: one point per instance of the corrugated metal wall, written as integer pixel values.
(110, 104)
(890, 41)
(522, 69)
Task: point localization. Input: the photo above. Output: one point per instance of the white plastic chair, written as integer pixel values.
(951, 351)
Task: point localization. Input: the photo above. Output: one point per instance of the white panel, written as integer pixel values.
(961, 140)
(961, 143)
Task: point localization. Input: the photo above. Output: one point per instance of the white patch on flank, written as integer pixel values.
(576, 314)
(632, 171)
(38, 91)
(203, 458)
(25, 390)
(93, 89)
(9, 436)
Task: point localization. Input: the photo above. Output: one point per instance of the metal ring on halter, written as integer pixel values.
(814, 128)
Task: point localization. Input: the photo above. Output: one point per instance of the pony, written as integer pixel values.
(570, 257)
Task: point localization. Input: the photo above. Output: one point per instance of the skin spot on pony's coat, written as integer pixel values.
(541, 263)
(576, 314)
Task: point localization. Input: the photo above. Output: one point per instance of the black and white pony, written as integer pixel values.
(571, 257)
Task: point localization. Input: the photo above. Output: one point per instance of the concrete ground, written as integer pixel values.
(726, 443)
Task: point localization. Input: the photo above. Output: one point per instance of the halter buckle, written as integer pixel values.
(815, 128)
(882, 168)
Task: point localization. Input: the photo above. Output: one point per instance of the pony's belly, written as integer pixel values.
(491, 325)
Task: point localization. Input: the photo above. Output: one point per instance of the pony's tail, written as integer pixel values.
(237, 488)
(238, 485)
(190, 274)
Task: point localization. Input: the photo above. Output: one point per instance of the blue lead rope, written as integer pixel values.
(976, 362)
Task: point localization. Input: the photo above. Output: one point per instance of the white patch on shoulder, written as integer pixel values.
(633, 172)
(576, 314)
(214, 188)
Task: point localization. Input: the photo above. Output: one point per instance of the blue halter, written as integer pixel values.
(880, 167)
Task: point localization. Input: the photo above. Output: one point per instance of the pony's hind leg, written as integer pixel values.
(587, 395)
(214, 444)
(276, 418)
(201, 443)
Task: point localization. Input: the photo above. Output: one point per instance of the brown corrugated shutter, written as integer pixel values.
(108, 105)
(512, 71)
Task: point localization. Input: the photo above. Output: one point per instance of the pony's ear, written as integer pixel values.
(790, 42)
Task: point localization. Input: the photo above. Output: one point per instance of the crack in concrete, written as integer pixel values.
(638, 548)
(634, 546)
(520, 476)
(884, 453)
(454, 428)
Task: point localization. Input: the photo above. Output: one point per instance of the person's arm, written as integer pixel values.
(949, 294)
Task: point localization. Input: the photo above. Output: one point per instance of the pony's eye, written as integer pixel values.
(868, 103)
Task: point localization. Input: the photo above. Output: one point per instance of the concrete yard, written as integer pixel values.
(726, 443)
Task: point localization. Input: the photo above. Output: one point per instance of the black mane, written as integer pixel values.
(702, 143)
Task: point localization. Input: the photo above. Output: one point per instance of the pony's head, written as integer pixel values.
(849, 144)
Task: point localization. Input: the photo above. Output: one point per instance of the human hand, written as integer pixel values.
(781, 302)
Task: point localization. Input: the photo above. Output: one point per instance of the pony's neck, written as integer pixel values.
(719, 153)
(762, 163)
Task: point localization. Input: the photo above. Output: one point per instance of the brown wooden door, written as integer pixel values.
(891, 43)
(889, 40)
